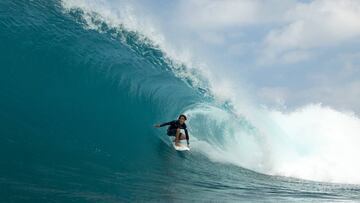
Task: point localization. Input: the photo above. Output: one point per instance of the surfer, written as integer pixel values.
(177, 129)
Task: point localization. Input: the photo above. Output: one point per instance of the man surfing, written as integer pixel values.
(177, 129)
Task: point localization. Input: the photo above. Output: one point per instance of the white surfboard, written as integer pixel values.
(181, 147)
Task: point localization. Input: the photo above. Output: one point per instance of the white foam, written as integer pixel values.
(314, 142)
(317, 143)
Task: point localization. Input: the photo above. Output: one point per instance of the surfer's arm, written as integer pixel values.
(164, 124)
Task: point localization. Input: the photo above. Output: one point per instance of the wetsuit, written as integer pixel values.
(174, 125)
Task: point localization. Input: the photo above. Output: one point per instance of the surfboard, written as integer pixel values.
(182, 147)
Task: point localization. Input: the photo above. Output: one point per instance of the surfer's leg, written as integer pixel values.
(177, 138)
(182, 136)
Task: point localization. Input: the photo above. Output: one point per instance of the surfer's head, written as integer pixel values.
(182, 118)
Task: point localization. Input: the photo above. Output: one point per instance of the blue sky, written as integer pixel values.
(285, 53)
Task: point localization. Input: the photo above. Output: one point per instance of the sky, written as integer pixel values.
(285, 53)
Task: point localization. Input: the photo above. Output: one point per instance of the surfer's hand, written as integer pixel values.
(157, 125)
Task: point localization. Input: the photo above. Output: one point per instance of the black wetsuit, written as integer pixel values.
(174, 125)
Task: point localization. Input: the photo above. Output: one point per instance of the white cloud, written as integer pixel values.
(292, 29)
(320, 23)
(228, 13)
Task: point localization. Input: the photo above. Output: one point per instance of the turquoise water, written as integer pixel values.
(76, 113)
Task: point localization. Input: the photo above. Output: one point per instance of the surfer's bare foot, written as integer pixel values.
(177, 144)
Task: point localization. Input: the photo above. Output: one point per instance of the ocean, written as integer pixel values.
(77, 109)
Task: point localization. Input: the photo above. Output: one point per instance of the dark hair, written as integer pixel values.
(182, 115)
